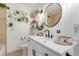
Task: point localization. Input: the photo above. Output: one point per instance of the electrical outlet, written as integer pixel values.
(58, 31)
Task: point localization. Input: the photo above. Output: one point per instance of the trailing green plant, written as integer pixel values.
(19, 16)
(3, 6)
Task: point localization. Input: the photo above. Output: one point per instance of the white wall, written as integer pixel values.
(20, 29)
(75, 20)
(65, 23)
(69, 18)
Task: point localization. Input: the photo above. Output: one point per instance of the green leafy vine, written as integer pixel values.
(3, 6)
(19, 16)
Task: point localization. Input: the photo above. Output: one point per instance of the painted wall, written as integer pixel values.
(70, 16)
(75, 20)
(19, 29)
(68, 19)
(65, 23)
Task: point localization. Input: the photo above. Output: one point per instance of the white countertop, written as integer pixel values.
(51, 45)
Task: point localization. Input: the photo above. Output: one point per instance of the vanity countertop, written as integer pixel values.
(49, 44)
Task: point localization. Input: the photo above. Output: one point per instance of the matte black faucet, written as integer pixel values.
(48, 33)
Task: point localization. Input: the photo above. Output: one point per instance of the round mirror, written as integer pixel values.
(53, 13)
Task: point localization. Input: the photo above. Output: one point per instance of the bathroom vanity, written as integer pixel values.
(42, 46)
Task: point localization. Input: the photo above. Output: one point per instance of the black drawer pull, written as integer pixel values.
(45, 54)
(67, 54)
(34, 52)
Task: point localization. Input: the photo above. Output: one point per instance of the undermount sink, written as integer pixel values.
(44, 39)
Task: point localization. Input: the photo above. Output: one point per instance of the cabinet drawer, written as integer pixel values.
(33, 51)
(46, 52)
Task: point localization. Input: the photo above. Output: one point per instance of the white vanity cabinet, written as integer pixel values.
(35, 49)
(32, 51)
(40, 46)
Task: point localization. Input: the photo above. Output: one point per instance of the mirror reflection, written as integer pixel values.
(53, 13)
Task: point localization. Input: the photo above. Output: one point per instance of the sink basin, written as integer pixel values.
(63, 40)
(44, 39)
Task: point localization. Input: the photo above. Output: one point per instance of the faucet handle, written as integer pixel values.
(46, 35)
(51, 36)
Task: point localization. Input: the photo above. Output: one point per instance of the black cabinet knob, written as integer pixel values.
(34, 52)
(45, 54)
(67, 54)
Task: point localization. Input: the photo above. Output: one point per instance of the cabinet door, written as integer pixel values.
(35, 52)
(33, 48)
(32, 51)
(47, 52)
(70, 52)
(37, 49)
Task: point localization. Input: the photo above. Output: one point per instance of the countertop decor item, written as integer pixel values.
(64, 40)
(37, 19)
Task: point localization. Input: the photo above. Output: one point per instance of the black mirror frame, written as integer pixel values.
(59, 18)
